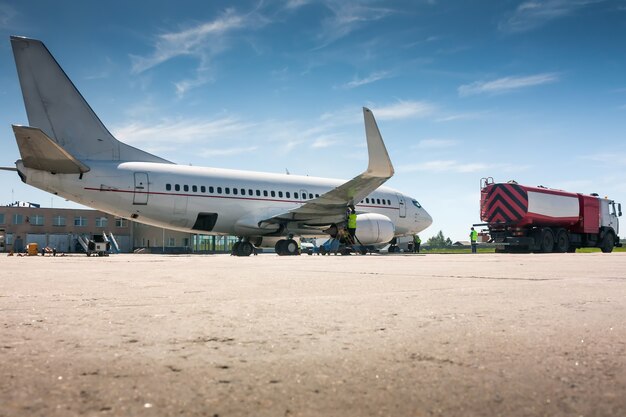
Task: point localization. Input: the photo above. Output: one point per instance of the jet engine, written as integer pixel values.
(373, 228)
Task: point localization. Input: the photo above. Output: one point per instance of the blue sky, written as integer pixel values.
(528, 90)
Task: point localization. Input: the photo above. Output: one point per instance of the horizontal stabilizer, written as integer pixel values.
(40, 152)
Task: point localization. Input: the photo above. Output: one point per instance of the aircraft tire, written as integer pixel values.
(245, 249)
(280, 247)
(290, 247)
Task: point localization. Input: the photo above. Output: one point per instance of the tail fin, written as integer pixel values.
(54, 105)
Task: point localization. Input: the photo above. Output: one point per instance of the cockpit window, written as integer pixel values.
(416, 204)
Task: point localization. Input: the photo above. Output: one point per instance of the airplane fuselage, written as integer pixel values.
(172, 196)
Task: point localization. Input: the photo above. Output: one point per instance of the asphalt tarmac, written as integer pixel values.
(375, 335)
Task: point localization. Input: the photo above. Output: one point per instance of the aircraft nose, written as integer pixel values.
(426, 219)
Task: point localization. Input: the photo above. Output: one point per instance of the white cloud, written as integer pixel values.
(208, 153)
(324, 141)
(609, 159)
(404, 110)
(7, 14)
(532, 14)
(179, 131)
(506, 84)
(203, 42)
(436, 143)
(347, 16)
(376, 76)
(459, 167)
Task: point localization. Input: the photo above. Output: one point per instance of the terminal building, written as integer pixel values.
(59, 228)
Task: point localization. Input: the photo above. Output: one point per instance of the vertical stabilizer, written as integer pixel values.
(54, 105)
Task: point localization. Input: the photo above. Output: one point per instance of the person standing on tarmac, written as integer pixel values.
(352, 224)
(473, 239)
(416, 243)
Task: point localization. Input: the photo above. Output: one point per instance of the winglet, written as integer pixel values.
(379, 161)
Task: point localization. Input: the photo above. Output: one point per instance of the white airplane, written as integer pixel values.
(66, 150)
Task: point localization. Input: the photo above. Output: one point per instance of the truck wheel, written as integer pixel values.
(608, 243)
(547, 240)
(562, 241)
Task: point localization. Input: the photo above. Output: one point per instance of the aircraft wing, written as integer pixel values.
(331, 207)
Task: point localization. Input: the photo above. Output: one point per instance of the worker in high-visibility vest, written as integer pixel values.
(473, 239)
(352, 224)
(416, 243)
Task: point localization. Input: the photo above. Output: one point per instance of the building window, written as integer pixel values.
(119, 222)
(36, 220)
(171, 241)
(1, 218)
(80, 221)
(101, 222)
(18, 219)
(58, 221)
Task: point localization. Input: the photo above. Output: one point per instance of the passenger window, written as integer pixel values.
(265, 193)
(168, 187)
(177, 187)
(202, 189)
(388, 202)
(243, 191)
(194, 188)
(250, 192)
(186, 187)
(317, 195)
(235, 191)
(280, 194)
(211, 189)
(287, 194)
(311, 196)
(258, 193)
(226, 190)
(219, 190)
(273, 193)
(295, 195)
(378, 201)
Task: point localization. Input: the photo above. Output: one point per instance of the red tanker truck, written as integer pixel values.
(540, 219)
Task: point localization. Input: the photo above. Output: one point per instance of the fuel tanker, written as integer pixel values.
(539, 219)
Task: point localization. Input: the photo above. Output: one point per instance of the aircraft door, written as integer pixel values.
(402, 205)
(140, 195)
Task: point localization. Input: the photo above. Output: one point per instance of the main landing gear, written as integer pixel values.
(242, 248)
(287, 247)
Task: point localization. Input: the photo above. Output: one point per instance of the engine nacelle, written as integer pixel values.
(373, 228)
